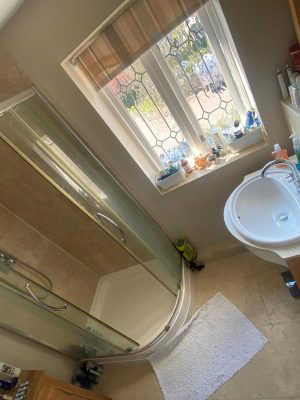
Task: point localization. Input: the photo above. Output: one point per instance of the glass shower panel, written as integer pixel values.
(77, 247)
(34, 130)
(69, 330)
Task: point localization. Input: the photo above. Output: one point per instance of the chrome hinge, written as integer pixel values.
(6, 259)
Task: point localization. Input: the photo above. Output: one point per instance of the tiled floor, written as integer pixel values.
(257, 289)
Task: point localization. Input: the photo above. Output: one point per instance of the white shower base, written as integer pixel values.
(134, 303)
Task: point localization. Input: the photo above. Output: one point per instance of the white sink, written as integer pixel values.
(266, 210)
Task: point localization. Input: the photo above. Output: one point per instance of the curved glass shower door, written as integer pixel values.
(37, 133)
(29, 309)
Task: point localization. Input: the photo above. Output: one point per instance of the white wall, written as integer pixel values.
(43, 33)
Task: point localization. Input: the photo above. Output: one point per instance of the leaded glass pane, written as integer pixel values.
(193, 63)
(138, 95)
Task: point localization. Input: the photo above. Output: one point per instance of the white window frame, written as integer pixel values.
(119, 120)
(162, 77)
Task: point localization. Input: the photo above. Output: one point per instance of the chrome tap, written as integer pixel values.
(292, 166)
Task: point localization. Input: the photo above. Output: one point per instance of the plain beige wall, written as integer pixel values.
(43, 33)
(23, 353)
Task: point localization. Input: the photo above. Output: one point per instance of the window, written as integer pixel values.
(174, 97)
(187, 82)
(142, 101)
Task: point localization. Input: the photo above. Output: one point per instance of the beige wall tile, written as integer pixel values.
(281, 306)
(273, 373)
(65, 238)
(204, 288)
(31, 197)
(239, 266)
(133, 381)
(219, 250)
(71, 279)
(7, 220)
(235, 278)
(23, 242)
(245, 293)
(12, 79)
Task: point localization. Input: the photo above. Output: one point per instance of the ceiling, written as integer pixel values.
(7, 10)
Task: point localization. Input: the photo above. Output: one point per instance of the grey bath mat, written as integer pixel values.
(216, 343)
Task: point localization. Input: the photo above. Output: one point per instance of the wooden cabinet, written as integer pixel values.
(43, 387)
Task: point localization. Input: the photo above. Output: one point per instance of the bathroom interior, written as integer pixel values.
(107, 166)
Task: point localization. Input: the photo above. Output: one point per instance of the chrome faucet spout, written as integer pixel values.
(294, 171)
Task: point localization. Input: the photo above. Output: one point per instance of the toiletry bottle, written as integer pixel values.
(250, 118)
(295, 96)
(186, 166)
(8, 385)
(289, 72)
(282, 84)
(9, 370)
(296, 145)
(218, 140)
(294, 77)
(279, 154)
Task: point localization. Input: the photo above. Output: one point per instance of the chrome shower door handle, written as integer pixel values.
(114, 224)
(41, 303)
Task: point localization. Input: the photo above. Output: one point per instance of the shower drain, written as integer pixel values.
(283, 217)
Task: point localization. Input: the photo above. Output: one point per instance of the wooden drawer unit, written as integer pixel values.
(44, 387)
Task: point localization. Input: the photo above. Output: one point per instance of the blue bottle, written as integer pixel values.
(250, 118)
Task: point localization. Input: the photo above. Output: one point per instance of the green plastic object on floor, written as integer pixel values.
(188, 253)
(186, 249)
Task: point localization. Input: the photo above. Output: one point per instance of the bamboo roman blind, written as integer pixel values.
(132, 32)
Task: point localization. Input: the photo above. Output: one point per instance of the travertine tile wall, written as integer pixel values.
(41, 227)
(12, 78)
(32, 198)
(71, 279)
(32, 247)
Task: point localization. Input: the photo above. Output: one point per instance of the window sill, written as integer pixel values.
(224, 161)
(288, 104)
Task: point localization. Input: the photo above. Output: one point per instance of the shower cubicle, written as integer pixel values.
(139, 294)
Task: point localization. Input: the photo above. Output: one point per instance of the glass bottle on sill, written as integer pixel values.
(218, 141)
(186, 166)
(280, 154)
